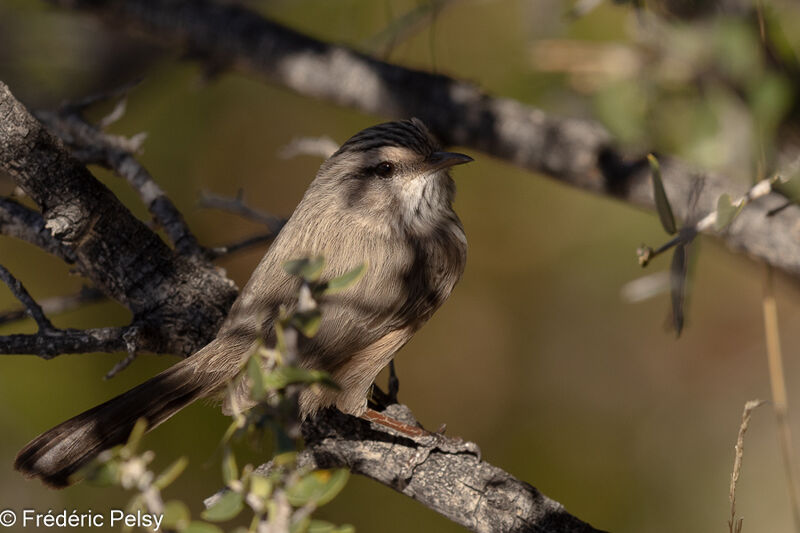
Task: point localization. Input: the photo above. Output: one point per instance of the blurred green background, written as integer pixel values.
(536, 356)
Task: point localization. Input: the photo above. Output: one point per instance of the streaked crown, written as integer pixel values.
(411, 134)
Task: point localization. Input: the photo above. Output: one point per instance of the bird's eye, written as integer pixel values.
(384, 169)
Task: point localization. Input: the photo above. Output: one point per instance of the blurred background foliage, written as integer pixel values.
(536, 356)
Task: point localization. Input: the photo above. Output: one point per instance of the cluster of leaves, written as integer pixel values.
(724, 214)
(712, 91)
(122, 466)
(712, 86)
(282, 497)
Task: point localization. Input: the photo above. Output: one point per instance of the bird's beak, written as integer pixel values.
(440, 160)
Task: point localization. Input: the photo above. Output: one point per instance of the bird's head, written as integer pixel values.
(395, 171)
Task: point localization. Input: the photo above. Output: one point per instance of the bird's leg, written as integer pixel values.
(394, 383)
(380, 400)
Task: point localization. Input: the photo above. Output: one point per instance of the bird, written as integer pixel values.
(383, 199)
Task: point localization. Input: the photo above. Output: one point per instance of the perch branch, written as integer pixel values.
(461, 487)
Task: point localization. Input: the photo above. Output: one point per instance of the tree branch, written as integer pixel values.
(237, 206)
(90, 144)
(26, 224)
(177, 301)
(62, 341)
(32, 308)
(56, 304)
(577, 152)
(459, 486)
(51, 341)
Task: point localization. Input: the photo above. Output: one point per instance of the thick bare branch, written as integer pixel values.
(178, 302)
(57, 342)
(90, 144)
(574, 151)
(25, 224)
(463, 488)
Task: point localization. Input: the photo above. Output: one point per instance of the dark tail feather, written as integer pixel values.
(57, 454)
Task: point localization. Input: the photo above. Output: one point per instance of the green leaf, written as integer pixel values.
(345, 280)
(171, 473)
(310, 269)
(623, 107)
(134, 439)
(770, 99)
(228, 506)
(319, 487)
(307, 322)
(287, 375)
(280, 337)
(102, 474)
(201, 527)
(321, 526)
(736, 49)
(261, 486)
(678, 286)
(660, 195)
(300, 526)
(176, 515)
(255, 376)
(229, 469)
(726, 211)
(284, 459)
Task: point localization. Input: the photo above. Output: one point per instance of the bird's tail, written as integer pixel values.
(57, 454)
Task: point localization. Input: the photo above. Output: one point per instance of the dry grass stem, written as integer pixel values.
(734, 524)
(779, 397)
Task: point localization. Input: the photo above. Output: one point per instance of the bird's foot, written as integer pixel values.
(426, 442)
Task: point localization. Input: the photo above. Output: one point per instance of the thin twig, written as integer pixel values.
(779, 397)
(56, 304)
(31, 307)
(317, 146)
(712, 221)
(403, 27)
(131, 338)
(227, 249)
(237, 206)
(734, 525)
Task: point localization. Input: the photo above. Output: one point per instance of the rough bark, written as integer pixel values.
(179, 301)
(577, 152)
(457, 485)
